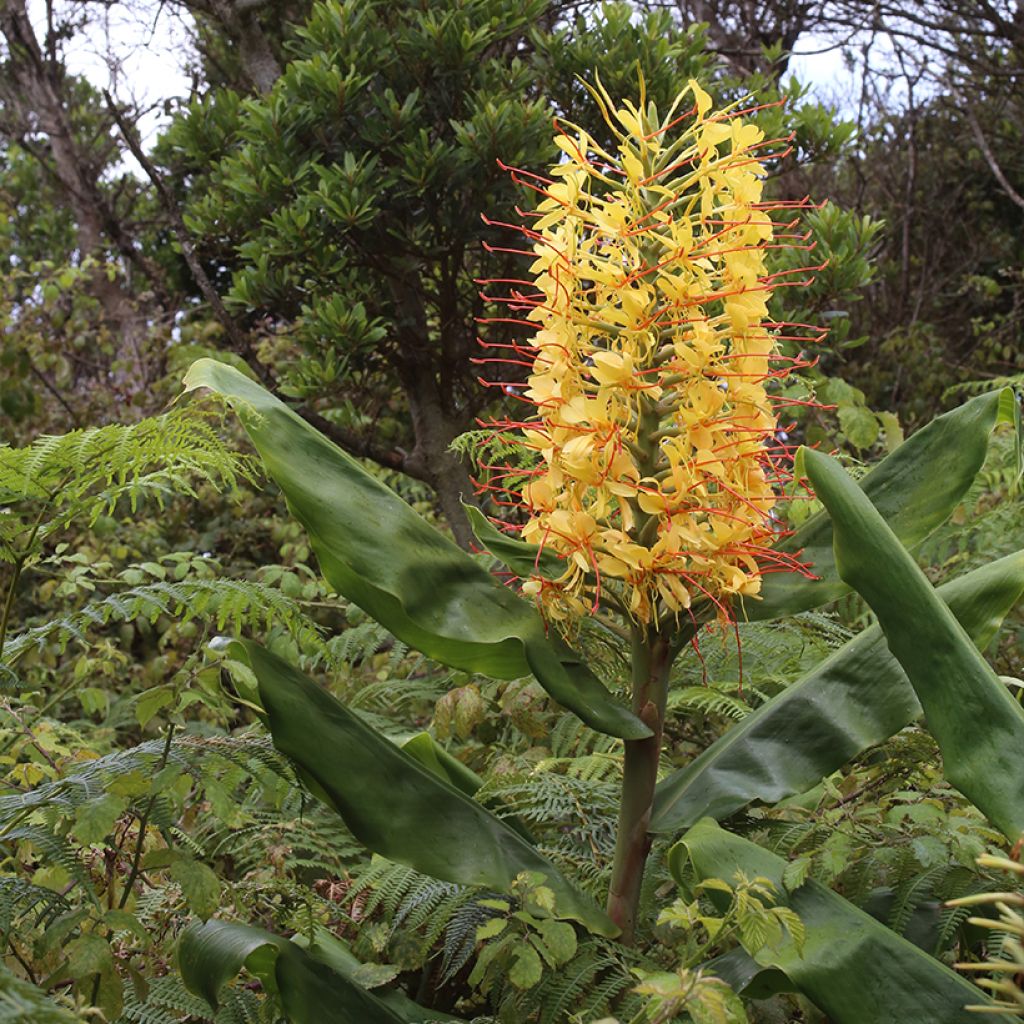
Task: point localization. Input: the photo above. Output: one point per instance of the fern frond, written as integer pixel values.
(88, 472)
(22, 1003)
(236, 605)
(53, 850)
(460, 938)
(486, 450)
(585, 988)
(709, 700)
(22, 902)
(912, 893)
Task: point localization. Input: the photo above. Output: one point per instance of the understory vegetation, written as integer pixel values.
(511, 513)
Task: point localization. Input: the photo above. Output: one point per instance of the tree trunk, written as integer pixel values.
(240, 21)
(432, 459)
(33, 96)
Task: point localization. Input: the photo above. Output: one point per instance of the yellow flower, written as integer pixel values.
(651, 364)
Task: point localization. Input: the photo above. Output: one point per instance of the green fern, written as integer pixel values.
(491, 451)
(235, 605)
(22, 1003)
(708, 700)
(169, 1002)
(981, 387)
(87, 473)
(586, 989)
(21, 902)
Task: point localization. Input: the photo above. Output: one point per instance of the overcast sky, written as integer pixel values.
(137, 51)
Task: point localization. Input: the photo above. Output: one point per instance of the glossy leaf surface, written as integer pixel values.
(857, 697)
(211, 954)
(978, 725)
(390, 802)
(328, 949)
(852, 967)
(376, 551)
(312, 993)
(915, 489)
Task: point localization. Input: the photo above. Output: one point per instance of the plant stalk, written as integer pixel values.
(652, 659)
(5, 616)
(144, 824)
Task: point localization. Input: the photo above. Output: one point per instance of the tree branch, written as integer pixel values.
(990, 158)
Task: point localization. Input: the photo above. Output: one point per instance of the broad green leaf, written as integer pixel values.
(95, 820)
(491, 929)
(432, 756)
(312, 993)
(91, 963)
(376, 551)
(199, 885)
(211, 954)
(860, 425)
(328, 949)
(150, 702)
(559, 938)
(857, 697)
(978, 725)
(390, 801)
(915, 489)
(526, 970)
(121, 921)
(854, 969)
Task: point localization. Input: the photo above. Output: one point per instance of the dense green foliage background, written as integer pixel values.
(312, 213)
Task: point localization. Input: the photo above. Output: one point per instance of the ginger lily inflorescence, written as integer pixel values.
(652, 364)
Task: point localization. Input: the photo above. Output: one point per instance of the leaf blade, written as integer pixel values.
(979, 727)
(212, 953)
(376, 551)
(852, 967)
(393, 804)
(915, 488)
(856, 698)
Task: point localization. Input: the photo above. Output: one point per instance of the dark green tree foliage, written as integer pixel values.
(349, 200)
(948, 302)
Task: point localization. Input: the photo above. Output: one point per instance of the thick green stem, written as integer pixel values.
(652, 659)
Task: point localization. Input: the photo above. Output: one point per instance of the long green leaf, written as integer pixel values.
(857, 697)
(978, 725)
(328, 949)
(376, 551)
(391, 802)
(432, 756)
(312, 993)
(211, 954)
(915, 489)
(851, 967)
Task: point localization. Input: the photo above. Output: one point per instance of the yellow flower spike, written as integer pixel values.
(652, 362)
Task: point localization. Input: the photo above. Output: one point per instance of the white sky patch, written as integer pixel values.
(819, 63)
(137, 51)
